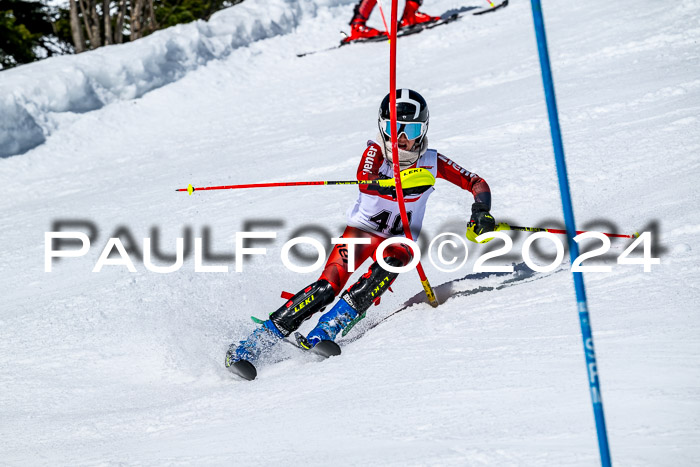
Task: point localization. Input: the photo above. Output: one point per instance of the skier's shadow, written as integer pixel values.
(446, 291)
(458, 11)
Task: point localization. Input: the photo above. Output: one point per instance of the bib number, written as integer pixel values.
(383, 219)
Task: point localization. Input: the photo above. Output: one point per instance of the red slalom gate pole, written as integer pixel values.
(395, 149)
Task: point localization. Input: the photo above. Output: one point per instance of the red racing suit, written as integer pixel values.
(373, 166)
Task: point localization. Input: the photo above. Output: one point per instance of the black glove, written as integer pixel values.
(385, 190)
(481, 219)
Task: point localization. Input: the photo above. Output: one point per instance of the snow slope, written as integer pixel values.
(119, 367)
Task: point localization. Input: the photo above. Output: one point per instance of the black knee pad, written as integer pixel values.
(371, 285)
(301, 306)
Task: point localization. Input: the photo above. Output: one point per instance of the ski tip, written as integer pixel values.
(635, 235)
(190, 189)
(244, 369)
(326, 349)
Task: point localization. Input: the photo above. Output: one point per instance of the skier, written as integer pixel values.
(375, 216)
(359, 30)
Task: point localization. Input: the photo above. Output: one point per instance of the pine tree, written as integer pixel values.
(27, 33)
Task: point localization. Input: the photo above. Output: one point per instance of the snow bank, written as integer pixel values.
(32, 95)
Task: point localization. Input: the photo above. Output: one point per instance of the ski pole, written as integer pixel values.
(382, 183)
(504, 226)
(381, 11)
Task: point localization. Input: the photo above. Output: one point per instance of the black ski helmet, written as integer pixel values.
(410, 107)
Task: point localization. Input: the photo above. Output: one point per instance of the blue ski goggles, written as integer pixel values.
(412, 130)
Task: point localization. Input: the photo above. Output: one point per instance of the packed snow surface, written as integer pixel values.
(119, 367)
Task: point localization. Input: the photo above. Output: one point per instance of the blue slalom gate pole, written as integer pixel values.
(588, 348)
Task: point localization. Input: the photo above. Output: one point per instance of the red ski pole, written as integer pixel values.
(504, 226)
(384, 183)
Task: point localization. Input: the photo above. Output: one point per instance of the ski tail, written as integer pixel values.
(503, 4)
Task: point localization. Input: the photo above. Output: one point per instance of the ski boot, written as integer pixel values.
(239, 357)
(330, 324)
(286, 319)
(353, 304)
(411, 16)
(360, 31)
